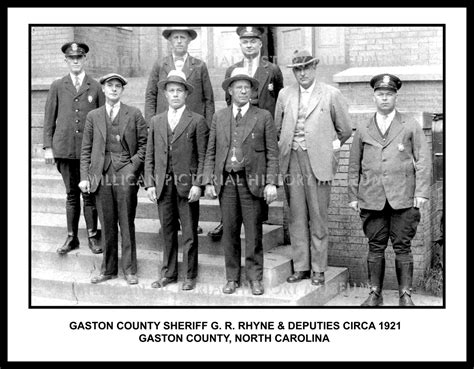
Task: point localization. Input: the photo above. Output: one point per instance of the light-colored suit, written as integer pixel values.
(396, 168)
(308, 172)
(327, 118)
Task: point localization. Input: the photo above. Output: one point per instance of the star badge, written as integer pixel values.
(89, 98)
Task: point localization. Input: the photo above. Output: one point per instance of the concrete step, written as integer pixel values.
(51, 228)
(209, 210)
(76, 288)
(277, 267)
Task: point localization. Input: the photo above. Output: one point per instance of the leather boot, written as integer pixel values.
(376, 271)
(405, 277)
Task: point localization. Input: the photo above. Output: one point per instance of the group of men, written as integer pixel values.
(267, 135)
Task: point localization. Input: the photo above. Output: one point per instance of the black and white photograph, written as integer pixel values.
(282, 181)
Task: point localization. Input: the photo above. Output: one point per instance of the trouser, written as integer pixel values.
(172, 206)
(308, 201)
(398, 225)
(117, 204)
(239, 206)
(70, 172)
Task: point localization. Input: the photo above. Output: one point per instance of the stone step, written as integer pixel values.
(51, 228)
(209, 210)
(76, 288)
(277, 267)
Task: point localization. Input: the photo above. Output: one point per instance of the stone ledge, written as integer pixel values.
(405, 73)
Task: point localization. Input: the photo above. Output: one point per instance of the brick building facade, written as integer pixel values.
(349, 57)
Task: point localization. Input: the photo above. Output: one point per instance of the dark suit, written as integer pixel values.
(174, 163)
(241, 194)
(64, 118)
(267, 73)
(201, 101)
(113, 175)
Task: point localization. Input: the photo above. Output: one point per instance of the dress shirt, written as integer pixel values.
(174, 116)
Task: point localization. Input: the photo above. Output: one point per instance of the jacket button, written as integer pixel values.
(76, 100)
(77, 131)
(77, 110)
(77, 120)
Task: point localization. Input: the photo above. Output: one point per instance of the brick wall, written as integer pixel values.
(47, 60)
(413, 96)
(385, 46)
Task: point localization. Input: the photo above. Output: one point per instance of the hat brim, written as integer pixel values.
(227, 82)
(167, 32)
(162, 84)
(297, 65)
(122, 81)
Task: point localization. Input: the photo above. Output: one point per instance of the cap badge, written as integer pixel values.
(386, 79)
(74, 47)
(249, 29)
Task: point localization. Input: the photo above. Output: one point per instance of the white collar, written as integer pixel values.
(243, 109)
(178, 111)
(80, 75)
(185, 56)
(309, 89)
(389, 116)
(116, 107)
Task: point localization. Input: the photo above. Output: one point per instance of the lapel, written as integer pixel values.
(226, 122)
(182, 124)
(69, 84)
(102, 122)
(123, 118)
(250, 121)
(314, 99)
(395, 128)
(168, 64)
(189, 66)
(162, 127)
(262, 74)
(294, 103)
(84, 87)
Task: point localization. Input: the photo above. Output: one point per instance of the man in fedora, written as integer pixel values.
(69, 100)
(268, 75)
(112, 156)
(312, 121)
(241, 168)
(389, 181)
(201, 101)
(176, 149)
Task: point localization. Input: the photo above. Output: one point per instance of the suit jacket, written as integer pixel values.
(395, 169)
(188, 150)
(259, 148)
(327, 118)
(266, 74)
(201, 101)
(133, 136)
(65, 115)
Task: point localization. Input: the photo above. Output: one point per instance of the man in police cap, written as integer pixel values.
(175, 154)
(389, 179)
(241, 168)
(268, 75)
(69, 100)
(201, 101)
(112, 156)
(312, 120)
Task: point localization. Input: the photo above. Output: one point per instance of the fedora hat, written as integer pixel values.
(239, 74)
(175, 76)
(167, 32)
(302, 58)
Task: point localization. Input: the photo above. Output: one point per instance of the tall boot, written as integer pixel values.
(405, 277)
(72, 241)
(376, 270)
(90, 215)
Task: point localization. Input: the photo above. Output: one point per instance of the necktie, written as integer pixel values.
(250, 70)
(384, 124)
(111, 113)
(77, 84)
(238, 116)
(179, 63)
(174, 119)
